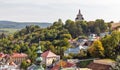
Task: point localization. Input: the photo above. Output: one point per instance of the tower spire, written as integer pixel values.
(79, 12)
(39, 59)
(79, 16)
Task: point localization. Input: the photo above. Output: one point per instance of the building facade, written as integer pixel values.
(49, 57)
(18, 57)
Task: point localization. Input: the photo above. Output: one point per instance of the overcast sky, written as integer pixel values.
(51, 10)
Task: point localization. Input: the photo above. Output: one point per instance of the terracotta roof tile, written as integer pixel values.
(17, 55)
(48, 54)
(64, 64)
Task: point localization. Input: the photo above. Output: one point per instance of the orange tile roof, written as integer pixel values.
(18, 55)
(48, 54)
(64, 64)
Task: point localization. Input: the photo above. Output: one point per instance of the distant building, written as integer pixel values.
(18, 57)
(79, 45)
(64, 64)
(6, 63)
(93, 37)
(49, 57)
(75, 50)
(101, 64)
(79, 16)
(9, 66)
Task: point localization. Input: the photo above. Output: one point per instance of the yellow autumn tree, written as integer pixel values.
(96, 49)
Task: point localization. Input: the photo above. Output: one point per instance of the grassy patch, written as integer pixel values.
(83, 64)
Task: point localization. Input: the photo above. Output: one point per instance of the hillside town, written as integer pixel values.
(53, 61)
(42, 49)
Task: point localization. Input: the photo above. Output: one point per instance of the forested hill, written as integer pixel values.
(55, 38)
(20, 25)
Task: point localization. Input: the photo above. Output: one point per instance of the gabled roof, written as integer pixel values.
(49, 54)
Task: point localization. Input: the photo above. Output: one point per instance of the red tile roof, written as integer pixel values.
(49, 54)
(2, 55)
(64, 64)
(96, 66)
(18, 55)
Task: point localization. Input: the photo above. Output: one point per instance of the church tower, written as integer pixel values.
(38, 60)
(79, 16)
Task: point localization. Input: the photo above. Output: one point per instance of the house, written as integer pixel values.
(75, 50)
(11, 62)
(80, 44)
(101, 64)
(63, 64)
(49, 57)
(18, 57)
(92, 37)
(9, 66)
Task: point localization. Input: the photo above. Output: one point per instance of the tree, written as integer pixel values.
(68, 36)
(102, 25)
(82, 53)
(24, 65)
(74, 29)
(82, 26)
(111, 44)
(97, 30)
(96, 49)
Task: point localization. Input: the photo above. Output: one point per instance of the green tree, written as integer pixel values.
(24, 65)
(97, 30)
(74, 29)
(96, 49)
(110, 43)
(102, 25)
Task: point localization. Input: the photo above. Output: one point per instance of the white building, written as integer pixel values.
(92, 37)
